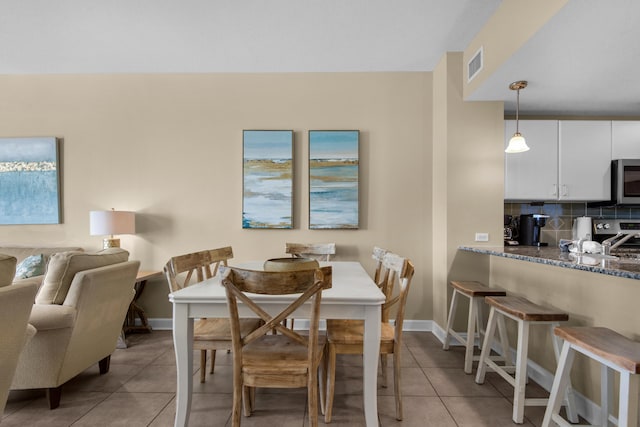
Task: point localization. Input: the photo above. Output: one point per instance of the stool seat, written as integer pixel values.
(524, 309)
(606, 343)
(476, 289)
(614, 352)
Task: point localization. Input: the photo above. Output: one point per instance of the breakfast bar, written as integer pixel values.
(594, 290)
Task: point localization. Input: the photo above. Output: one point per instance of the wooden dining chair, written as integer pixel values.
(318, 251)
(347, 336)
(284, 360)
(378, 256)
(211, 333)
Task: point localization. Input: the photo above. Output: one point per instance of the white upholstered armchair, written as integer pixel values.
(78, 316)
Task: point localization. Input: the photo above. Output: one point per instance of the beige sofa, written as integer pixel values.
(78, 316)
(15, 307)
(22, 252)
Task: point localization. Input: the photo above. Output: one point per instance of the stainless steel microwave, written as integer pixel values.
(625, 181)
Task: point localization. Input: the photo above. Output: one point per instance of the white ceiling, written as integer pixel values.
(583, 61)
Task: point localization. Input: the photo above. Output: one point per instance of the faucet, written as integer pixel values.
(608, 244)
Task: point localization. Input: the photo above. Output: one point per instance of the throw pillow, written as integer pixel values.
(33, 265)
(63, 267)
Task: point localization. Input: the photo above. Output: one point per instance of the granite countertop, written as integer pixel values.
(614, 266)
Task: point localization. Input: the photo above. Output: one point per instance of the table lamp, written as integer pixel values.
(111, 222)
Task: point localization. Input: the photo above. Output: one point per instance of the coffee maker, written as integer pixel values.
(529, 232)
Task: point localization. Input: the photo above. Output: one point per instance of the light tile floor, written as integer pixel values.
(139, 390)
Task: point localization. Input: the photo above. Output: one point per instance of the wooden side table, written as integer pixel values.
(135, 311)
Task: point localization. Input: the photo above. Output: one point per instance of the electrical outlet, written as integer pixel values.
(482, 237)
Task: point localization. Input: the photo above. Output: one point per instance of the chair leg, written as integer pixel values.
(53, 396)
(248, 400)
(312, 397)
(104, 364)
(203, 365)
(331, 382)
(452, 312)
(213, 361)
(322, 378)
(396, 383)
(384, 365)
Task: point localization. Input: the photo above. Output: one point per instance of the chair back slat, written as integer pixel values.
(239, 283)
(180, 270)
(317, 251)
(378, 255)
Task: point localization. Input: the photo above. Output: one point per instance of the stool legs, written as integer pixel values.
(519, 381)
(628, 409)
(474, 322)
(560, 382)
(452, 311)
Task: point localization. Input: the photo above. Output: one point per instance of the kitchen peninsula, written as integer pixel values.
(593, 290)
(622, 266)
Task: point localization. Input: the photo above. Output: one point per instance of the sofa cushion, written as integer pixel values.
(7, 269)
(33, 265)
(21, 252)
(64, 266)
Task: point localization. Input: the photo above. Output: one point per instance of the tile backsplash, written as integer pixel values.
(561, 216)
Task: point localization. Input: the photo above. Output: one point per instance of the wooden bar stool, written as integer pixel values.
(614, 352)
(476, 292)
(525, 313)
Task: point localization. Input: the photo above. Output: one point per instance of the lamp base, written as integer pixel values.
(110, 243)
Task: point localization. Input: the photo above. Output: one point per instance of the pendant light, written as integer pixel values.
(517, 143)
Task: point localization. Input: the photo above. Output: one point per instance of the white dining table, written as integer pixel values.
(353, 295)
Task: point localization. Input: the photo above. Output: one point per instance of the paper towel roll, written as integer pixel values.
(582, 228)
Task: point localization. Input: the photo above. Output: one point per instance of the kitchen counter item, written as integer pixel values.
(582, 228)
(530, 225)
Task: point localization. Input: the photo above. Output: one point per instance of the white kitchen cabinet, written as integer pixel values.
(625, 140)
(569, 160)
(532, 175)
(585, 160)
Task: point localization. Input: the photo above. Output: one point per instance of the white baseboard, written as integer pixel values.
(586, 408)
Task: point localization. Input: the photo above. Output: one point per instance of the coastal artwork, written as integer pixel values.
(29, 181)
(268, 179)
(333, 179)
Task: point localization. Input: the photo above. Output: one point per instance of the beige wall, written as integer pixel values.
(513, 23)
(468, 181)
(170, 148)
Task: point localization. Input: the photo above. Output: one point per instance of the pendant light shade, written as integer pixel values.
(517, 143)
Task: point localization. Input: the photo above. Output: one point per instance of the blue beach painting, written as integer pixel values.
(333, 179)
(267, 179)
(29, 181)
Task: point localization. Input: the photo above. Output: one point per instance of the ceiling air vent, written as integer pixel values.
(475, 65)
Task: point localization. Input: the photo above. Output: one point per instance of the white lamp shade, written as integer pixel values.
(102, 223)
(517, 144)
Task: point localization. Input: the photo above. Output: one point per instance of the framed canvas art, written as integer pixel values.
(29, 180)
(267, 200)
(333, 179)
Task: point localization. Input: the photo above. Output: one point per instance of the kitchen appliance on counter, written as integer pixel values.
(623, 234)
(582, 228)
(510, 231)
(625, 181)
(529, 231)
